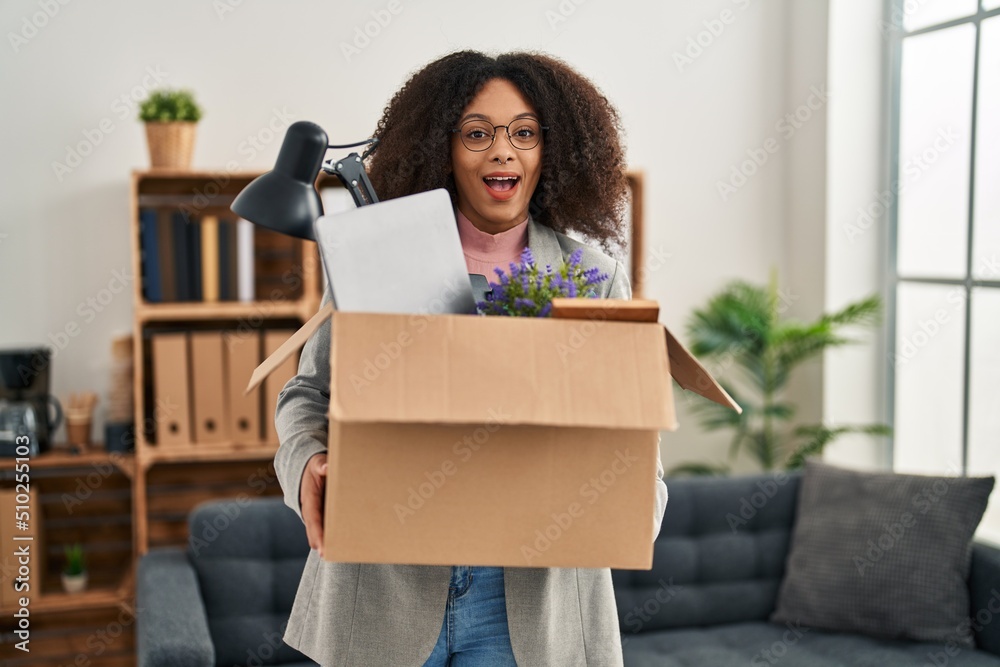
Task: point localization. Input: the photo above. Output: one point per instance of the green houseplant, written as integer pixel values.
(74, 574)
(742, 329)
(170, 117)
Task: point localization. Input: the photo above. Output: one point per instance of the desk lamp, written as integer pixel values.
(285, 199)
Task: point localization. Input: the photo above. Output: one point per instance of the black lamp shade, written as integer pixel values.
(285, 199)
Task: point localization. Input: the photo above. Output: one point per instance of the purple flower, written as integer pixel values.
(527, 291)
(527, 258)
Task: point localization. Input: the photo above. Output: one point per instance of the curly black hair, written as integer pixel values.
(582, 186)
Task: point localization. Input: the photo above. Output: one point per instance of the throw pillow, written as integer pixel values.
(882, 554)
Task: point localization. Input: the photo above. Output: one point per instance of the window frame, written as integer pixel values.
(897, 33)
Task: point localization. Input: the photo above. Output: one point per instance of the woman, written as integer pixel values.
(528, 149)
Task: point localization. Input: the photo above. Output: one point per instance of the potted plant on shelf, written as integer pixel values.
(170, 117)
(742, 328)
(74, 575)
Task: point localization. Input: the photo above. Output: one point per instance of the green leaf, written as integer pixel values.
(698, 469)
(819, 436)
(795, 344)
(170, 105)
(779, 410)
(865, 312)
(736, 321)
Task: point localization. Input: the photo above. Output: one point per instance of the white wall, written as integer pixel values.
(855, 377)
(806, 102)
(687, 128)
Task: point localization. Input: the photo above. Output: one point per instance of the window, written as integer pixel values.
(945, 239)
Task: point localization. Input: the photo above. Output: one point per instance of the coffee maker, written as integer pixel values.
(27, 411)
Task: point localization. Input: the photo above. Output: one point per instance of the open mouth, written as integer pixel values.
(501, 183)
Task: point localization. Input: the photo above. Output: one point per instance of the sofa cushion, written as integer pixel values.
(249, 557)
(719, 557)
(883, 554)
(762, 644)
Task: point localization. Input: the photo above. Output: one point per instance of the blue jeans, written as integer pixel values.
(474, 632)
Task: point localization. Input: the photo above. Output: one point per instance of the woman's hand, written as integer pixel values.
(312, 492)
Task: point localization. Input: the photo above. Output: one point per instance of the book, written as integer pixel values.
(168, 270)
(245, 260)
(182, 255)
(209, 231)
(228, 276)
(225, 254)
(150, 256)
(193, 268)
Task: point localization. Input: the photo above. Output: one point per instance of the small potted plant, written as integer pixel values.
(74, 575)
(170, 117)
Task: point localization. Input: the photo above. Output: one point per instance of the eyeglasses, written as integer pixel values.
(478, 135)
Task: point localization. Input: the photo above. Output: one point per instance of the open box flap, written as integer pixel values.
(691, 375)
(684, 368)
(288, 348)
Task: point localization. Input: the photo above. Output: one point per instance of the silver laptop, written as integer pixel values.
(398, 256)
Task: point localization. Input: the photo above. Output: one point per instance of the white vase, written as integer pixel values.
(74, 583)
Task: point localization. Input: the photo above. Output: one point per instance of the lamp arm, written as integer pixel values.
(351, 172)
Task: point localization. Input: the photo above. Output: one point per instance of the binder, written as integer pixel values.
(171, 393)
(276, 381)
(208, 388)
(242, 357)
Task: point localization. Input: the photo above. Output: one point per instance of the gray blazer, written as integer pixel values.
(390, 615)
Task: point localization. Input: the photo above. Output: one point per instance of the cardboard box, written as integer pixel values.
(458, 439)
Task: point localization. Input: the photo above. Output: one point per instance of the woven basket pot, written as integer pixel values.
(171, 144)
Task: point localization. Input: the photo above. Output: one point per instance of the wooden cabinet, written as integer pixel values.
(119, 505)
(211, 457)
(86, 499)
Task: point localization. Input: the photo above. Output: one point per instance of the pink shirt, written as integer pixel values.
(484, 251)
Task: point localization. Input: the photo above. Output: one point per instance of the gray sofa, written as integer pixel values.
(225, 599)
(717, 566)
